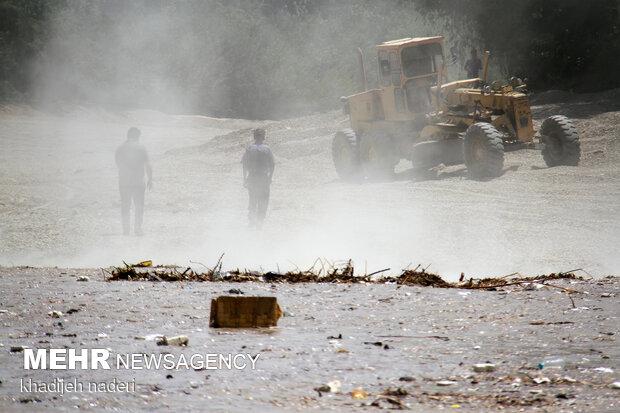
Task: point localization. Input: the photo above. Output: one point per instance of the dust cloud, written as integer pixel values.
(162, 66)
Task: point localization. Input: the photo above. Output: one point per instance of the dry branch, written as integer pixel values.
(328, 273)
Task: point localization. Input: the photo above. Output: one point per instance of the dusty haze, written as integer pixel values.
(59, 197)
(227, 59)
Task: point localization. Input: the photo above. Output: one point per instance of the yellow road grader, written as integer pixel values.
(416, 114)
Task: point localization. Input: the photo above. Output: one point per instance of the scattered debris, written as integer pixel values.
(387, 402)
(542, 322)
(244, 312)
(331, 387)
(555, 363)
(328, 273)
(143, 264)
(359, 393)
(446, 383)
(55, 314)
(406, 378)
(173, 341)
(133, 273)
(565, 380)
(399, 391)
(339, 337)
(615, 385)
(150, 337)
(422, 278)
(442, 338)
(603, 370)
(484, 367)
(82, 278)
(17, 349)
(26, 400)
(72, 310)
(235, 291)
(541, 380)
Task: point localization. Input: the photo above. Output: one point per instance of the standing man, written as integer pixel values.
(133, 163)
(473, 65)
(258, 166)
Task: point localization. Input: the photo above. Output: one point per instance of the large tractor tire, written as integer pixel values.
(378, 156)
(345, 153)
(483, 150)
(561, 141)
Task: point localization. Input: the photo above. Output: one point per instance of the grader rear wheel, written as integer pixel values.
(345, 153)
(561, 141)
(483, 149)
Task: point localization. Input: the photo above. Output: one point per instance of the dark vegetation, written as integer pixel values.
(274, 58)
(557, 44)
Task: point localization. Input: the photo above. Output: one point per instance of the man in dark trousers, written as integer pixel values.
(258, 167)
(133, 163)
(473, 65)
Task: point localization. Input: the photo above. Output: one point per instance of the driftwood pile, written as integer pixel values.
(343, 274)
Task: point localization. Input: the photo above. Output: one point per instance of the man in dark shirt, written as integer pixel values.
(133, 163)
(473, 65)
(258, 167)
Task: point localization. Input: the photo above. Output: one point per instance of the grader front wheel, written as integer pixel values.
(345, 153)
(561, 142)
(483, 150)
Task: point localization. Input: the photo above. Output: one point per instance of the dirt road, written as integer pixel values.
(59, 201)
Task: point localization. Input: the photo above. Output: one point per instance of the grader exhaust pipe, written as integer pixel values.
(360, 54)
(485, 66)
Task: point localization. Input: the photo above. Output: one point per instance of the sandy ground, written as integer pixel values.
(432, 335)
(59, 203)
(59, 207)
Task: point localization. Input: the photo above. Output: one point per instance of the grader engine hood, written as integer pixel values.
(506, 109)
(365, 107)
(447, 90)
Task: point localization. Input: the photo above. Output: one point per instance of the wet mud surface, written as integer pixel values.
(371, 338)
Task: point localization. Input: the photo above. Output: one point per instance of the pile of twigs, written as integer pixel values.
(422, 278)
(328, 273)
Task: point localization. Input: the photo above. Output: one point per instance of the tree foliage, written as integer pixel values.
(272, 58)
(563, 44)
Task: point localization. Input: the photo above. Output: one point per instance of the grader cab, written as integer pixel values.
(416, 114)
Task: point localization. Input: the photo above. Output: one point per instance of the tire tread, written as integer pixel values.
(563, 129)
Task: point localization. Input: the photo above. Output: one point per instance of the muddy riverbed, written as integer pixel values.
(424, 341)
